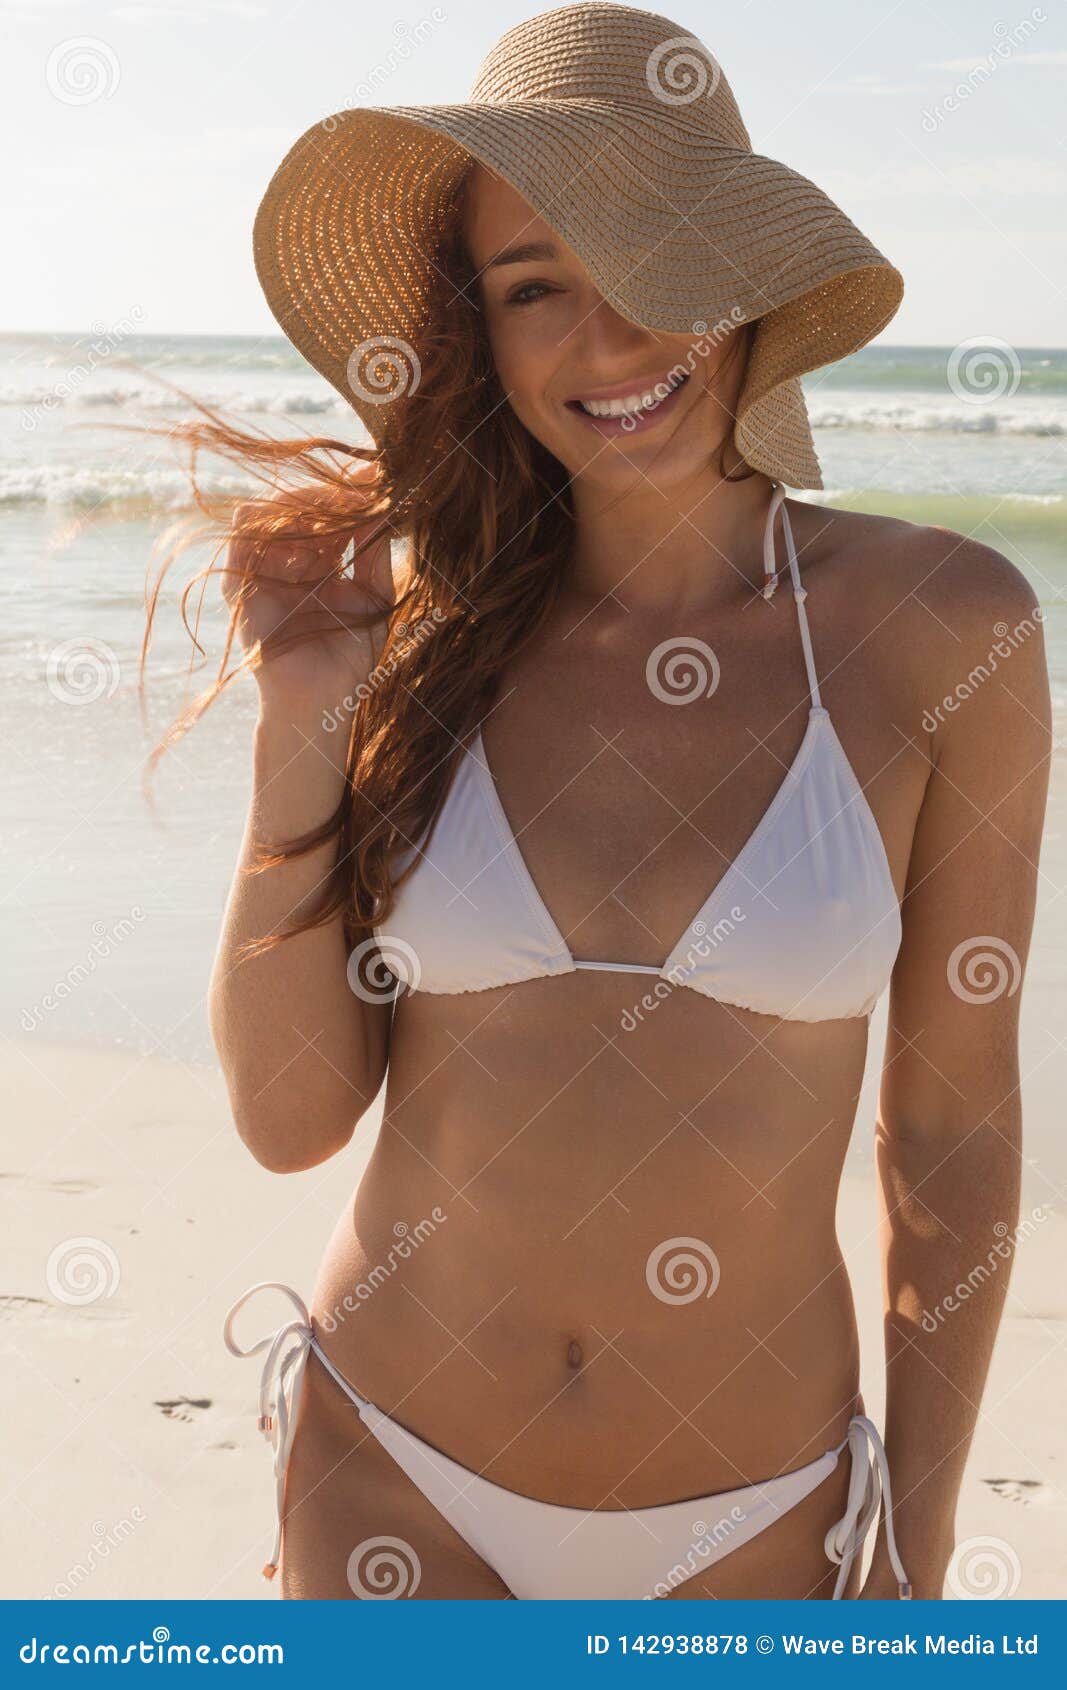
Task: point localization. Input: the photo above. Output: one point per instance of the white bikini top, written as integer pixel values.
(804, 925)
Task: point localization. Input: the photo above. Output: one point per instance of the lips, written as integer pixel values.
(627, 412)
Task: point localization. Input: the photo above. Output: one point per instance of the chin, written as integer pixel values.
(659, 463)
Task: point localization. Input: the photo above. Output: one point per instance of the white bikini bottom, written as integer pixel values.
(543, 1551)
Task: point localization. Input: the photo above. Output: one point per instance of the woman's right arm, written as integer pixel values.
(303, 1056)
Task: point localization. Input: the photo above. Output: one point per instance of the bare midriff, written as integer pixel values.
(593, 1256)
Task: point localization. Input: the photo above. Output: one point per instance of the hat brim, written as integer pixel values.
(680, 234)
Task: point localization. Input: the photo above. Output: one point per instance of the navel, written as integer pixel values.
(575, 1357)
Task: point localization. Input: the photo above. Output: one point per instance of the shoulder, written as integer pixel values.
(891, 560)
(928, 600)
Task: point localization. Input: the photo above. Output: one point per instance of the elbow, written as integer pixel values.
(282, 1161)
(284, 1148)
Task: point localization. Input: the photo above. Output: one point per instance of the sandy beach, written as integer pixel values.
(132, 1464)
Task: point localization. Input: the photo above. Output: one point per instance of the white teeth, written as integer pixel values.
(631, 406)
(618, 407)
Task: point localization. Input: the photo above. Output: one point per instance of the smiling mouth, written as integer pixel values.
(643, 402)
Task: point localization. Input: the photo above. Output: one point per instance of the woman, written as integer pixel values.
(585, 1328)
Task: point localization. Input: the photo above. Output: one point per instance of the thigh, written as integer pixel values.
(355, 1527)
(788, 1560)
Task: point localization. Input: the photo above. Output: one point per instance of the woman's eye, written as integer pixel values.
(528, 294)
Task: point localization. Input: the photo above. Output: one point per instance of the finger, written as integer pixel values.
(373, 563)
(358, 556)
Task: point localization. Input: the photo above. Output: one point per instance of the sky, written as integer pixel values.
(140, 138)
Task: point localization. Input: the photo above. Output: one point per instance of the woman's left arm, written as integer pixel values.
(949, 1129)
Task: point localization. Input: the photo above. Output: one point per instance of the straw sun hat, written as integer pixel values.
(621, 132)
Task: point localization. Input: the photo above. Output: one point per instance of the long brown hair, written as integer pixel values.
(487, 518)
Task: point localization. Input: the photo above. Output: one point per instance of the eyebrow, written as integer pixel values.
(529, 253)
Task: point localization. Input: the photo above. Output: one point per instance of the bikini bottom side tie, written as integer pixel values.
(545, 1551)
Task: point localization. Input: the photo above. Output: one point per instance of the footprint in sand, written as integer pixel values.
(1022, 1490)
(179, 1407)
(29, 1310)
(12, 1305)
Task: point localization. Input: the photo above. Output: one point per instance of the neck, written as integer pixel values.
(675, 552)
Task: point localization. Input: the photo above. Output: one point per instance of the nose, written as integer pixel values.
(602, 335)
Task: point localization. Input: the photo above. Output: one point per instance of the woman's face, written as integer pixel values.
(569, 363)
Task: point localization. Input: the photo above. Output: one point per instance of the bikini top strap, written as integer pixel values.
(800, 592)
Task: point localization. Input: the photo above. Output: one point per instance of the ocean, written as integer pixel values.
(113, 894)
